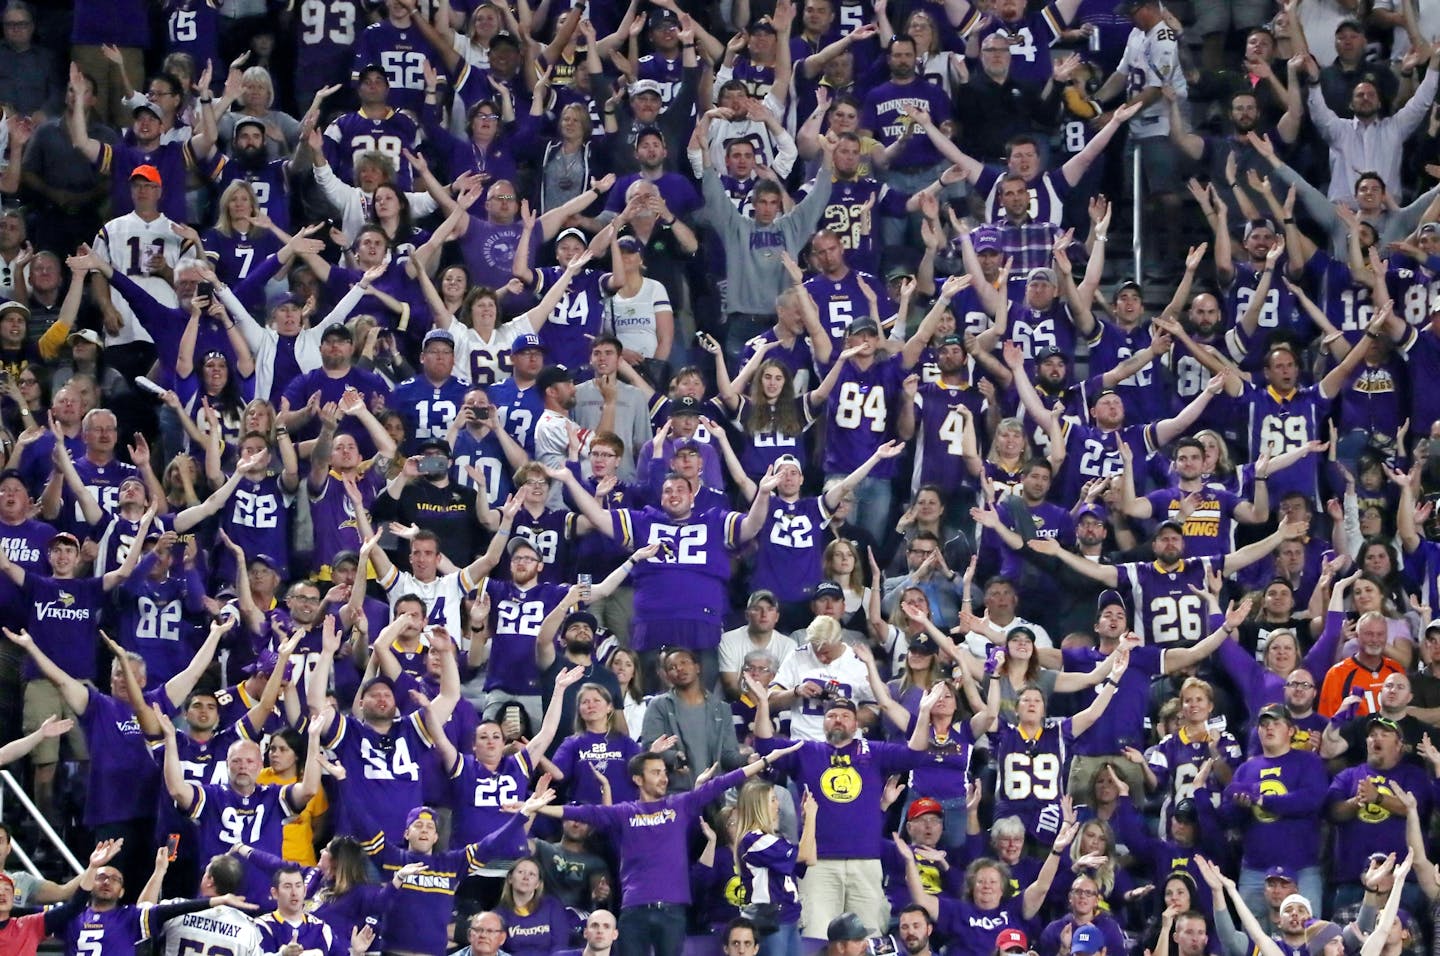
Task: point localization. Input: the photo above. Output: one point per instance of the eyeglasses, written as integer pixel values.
(155, 93)
(1300, 684)
(503, 197)
(923, 552)
(1084, 893)
(603, 454)
(304, 598)
(17, 24)
(537, 483)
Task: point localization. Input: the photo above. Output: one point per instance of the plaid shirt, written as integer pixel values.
(1027, 244)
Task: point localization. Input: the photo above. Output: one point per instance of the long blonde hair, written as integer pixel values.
(752, 813)
(223, 223)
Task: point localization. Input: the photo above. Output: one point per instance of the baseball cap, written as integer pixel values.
(846, 927)
(572, 233)
(266, 560)
(1349, 23)
(899, 271)
(923, 806)
(862, 325)
(145, 171)
(552, 375)
(85, 335)
(952, 339)
(365, 689)
(1167, 525)
(521, 542)
(1012, 938)
(842, 703)
(1254, 224)
(1296, 898)
(153, 110)
(1087, 938)
(64, 537)
(1042, 274)
(1049, 352)
(1185, 811)
(788, 460)
(1108, 597)
(684, 405)
(369, 68)
(645, 86)
(1132, 284)
(762, 25)
(662, 17)
(264, 664)
(826, 589)
(1383, 723)
(985, 239)
(438, 335)
(1273, 712)
(630, 244)
(762, 596)
(1127, 7)
(419, 813)
(1281, 873)
(923, 644)
(1092, 510)
(683, 445)
(249, 121)
(527, 341)
(1095, 399)
(1432, 626)
(13, 306)
(579, 617)
(338, 331)
(434, 444)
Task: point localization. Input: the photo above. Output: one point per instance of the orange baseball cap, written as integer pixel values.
(147, 172)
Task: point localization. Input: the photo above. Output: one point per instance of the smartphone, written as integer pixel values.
(432, 465)
(206, 289)
(880, 945)
(172, 847)
(1216, 725)
(584, 581)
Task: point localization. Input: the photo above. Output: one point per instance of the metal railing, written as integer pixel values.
(1137, 203)
(24, 800)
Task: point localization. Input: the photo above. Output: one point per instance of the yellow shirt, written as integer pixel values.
(298, 845)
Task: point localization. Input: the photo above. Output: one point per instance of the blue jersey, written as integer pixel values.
(1167, 612)
(486, 455)
(519, 409)
(790, 548)
(428, 409)
(577, 317)
(840, 302)
(402, 54)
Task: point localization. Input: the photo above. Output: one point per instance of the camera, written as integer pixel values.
(430, 466)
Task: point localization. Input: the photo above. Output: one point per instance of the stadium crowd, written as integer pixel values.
(779, 476)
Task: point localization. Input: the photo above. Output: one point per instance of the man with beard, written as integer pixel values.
(577, 631)
(1214, 152)
(248, 162)
(1199, 331)
(556, 385)
(915, 930)
(423, 495)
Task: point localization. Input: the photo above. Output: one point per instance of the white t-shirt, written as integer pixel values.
(1152, 60)
(807, 714)
(734, 645)
(633, 319)
(979, 645)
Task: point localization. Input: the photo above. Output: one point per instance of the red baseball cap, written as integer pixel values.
(146, 172)
(1011, 938)
(923, 806)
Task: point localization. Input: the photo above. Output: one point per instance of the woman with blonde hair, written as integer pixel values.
(536, 924)
(243, 236)
(599, 748)
(768, 865)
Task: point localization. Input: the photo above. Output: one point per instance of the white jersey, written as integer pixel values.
(128, 244)
(223, 929)
(442, 598)
(483, 363)
(1152, 60)
(845, 677)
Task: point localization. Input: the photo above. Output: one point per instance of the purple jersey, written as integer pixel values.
(312, 934)
(257, 518)
(765, 442)
(664, 70)
(1176, 759)
(549, 533)
(1279, 423)
(1144, 391)
(1279, 310)
(577, 317)
(1167, 612)
(63, 614)
(113, 932)
(103, 483)
(972, 930)
(840, 302)
(477, 793)
(1032, 774)
(1037, 329)
(370, 386)
(686, 580)
(758, 79)
(863, 408)
(225, 818)
(402, 54)
(847, 216)
(768, 871)
(332, 514)
(382, 781)
(193, 27)
(1030, 39)
(1210, 529)
(27, 544)
(1048, 192)
(942, 430)
(174, 160)
(1092, 452)
(1345, 302)
(884, 115)
(325, 36)
(235, 256)
(124, 781)
(152, 618)
(790, 548)
(1125, 721)
(516, 614)
(390, 135)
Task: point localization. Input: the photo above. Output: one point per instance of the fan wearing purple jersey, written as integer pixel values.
(379, 749)
(257, 516)
(679, 593)
(341, 484)
(241, 810)
(398, 48)
(325, 43)
(1208, 514)
(264, 191)
(839, 291)
(577, 317)
(1166, 593)
(1032, 754)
